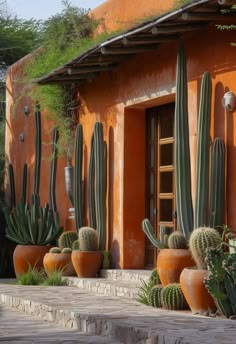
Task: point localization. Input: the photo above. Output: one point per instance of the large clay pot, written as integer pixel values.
(29, 255)
(59, 262)
(195, 292)
(171, 262)
(87, 263)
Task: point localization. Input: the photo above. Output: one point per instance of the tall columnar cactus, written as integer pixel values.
(78, 184)
(182, 153)
(200, 240)
(53, 170)
(67, 239)
(217, 183)
(173, 298)
(177, 241)
(24, 184)
(88, 239)
(154, 296)
(12, 186)
(37, 149)
(91, 188)
(148, 230)
(100, 184)
(203, 149)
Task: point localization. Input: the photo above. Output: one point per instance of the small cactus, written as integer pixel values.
(154, 296)
(177, 241)
(75, 246)
(55, 250)
(201, 239)
(67, 238)
(173, 298)
(154, 278)
(88, 239)
(106, 260)
(66, 250)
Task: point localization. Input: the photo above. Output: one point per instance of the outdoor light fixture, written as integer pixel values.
(228, 101)
(26, 110)
(22, 137)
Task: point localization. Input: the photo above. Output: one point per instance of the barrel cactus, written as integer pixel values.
(55, 250)
(173, 298)
(177, 240)
(75, 246)
(67, 238)
(200, 240)
(154, 278)
(66, 250)
(88, 239)
(154, 296)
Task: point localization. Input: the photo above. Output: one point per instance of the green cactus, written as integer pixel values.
(154, 296)
(78, 185)
(148, 230)
(106, 260)
(66, 250)
(53, 169)
(67, 239)
(203, 149)
(37, 149)
(200, 240)
(91, 188)
(154, 278)
(55, 250)
(32, 225)
(177, 241)
(88, 239)
(24, 183)
(12, 186)
(164, 235)
(75, 246)
(173, 298)
(217, 183)
(182, 152)
(100, 184)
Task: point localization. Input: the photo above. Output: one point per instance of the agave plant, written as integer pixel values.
(30, 224)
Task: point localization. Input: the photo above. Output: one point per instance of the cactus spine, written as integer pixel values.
(67, 239)
(78, 187)
(177, 241)
(24, 184)
(173, 298)
(53, 169)
(37, 149)
(88, 239)
(182, 153)
(203, 147)
(148, 230)
(154, 296)
(100, 184)
(91, 188)
(217, 183)
(200, 240)
(12, 186)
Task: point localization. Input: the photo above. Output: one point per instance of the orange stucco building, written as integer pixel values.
(135, 102)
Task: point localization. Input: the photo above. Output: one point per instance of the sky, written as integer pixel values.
(42, 9)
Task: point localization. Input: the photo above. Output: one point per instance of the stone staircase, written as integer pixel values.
(120, 283)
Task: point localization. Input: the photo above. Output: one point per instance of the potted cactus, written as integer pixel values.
(86, 258)
(59, 258)
(33, 228)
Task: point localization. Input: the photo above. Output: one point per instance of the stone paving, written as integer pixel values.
(124, 319)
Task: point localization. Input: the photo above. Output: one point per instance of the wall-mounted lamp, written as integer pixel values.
(26, 110)
(21, 137)
(228, 101)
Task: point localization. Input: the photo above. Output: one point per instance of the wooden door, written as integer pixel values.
(160, 195)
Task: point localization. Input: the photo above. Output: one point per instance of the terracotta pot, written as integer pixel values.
(29, 255)
(195, 292)
(171, 262)
(59, 261)
(87, 263)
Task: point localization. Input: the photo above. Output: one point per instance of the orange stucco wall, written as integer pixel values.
(119, 98)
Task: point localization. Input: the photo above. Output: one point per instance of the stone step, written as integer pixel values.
(133, 276)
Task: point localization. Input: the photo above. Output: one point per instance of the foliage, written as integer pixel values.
(32, 277)
(147, 286)
(55, 279)
(228, 27)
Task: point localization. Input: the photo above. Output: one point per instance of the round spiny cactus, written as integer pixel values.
(154, 296)
(88, 239)
(173, 298)
(75, 246)
(66, 250)
(67, 238)
(200, 240)
(154, 278)
(177, 240)
(55, 250)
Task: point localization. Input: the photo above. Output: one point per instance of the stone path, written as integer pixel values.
(124, 319)
(17, 327)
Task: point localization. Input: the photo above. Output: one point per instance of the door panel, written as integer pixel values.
(160, 198)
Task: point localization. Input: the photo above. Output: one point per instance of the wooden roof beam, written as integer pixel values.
(84, 70)
(203, 16)
(178, 28)
(130, 50)
(148, 40)
(226, 2)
